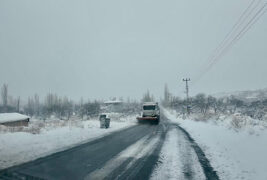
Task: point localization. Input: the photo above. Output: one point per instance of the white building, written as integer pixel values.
(113, 106)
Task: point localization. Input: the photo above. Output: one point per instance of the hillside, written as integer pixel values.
(249, 95)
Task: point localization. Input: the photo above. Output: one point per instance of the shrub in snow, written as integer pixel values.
(238, 122)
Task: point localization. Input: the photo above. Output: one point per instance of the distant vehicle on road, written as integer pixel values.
(150, 113)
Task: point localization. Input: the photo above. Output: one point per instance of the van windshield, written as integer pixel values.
(151, 107)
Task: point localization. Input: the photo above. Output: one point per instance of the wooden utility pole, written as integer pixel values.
(187, 94)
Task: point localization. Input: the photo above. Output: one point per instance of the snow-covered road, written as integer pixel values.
(20, 147)
(144, 151)
(178, 159)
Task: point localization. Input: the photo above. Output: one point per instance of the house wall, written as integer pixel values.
(17, 123)
(115, 107)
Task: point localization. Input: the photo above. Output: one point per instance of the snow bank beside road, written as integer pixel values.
(177, 159)
(233, 154)
(19, 147)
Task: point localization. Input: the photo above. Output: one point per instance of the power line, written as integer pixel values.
(226, 39)
(260, 14)
(252, 21)
(234, 28)
(230, 40)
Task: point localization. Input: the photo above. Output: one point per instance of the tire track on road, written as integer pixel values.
(77, 162)
(182, 158)
(208, 170)
(177, 159)
(143, 168)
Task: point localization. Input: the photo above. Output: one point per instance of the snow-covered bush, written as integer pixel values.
(237, 121)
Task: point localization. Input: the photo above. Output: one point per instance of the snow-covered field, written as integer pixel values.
(18, 145)
(233, 153)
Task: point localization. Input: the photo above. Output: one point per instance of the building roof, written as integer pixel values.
(150, 103)
(113, 102)
(12, 117)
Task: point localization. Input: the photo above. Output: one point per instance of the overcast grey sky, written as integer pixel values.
(104, 48)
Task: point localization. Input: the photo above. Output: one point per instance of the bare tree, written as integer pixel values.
(212, 103)
(81, 108)
(92, 108)
(36, 105)
(30, 107)
(167, 96)
(234, 104)
(4, 94)
(67, 107)
(200, 102)
(147, 97)
(18, 104)
(50, 101)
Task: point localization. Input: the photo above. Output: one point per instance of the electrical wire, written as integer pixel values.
(239, 22)
(233, 36)
(252, 21)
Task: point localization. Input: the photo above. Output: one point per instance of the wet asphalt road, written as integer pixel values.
(128, 154)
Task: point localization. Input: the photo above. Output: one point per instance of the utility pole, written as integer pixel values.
(187, 94)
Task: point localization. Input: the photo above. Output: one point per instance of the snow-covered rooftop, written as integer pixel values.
(11, 117)
(150, 103)
(113, 102)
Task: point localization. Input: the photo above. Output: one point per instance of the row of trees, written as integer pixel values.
(148, 97)
(88, 109)
(207, 104)
(52, 105)
(59, 106)
(63, 107)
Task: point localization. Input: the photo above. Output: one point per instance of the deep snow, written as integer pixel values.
(234, 154)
